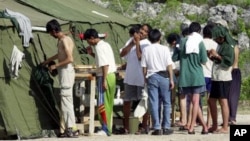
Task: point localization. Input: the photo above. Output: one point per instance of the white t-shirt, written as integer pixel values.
(156, 57)
(104, 56)
(176, 64)
(207, 68)
(133, 72)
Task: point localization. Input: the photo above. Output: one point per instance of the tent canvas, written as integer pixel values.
(23, 112)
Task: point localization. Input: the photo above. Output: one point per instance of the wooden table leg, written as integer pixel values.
(92, 106)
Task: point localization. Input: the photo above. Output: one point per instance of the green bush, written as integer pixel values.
(245, 89)
(198, 18)
(244, 67)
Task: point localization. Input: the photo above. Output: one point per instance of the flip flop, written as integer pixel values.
(61, 135)
(211, 130)
(183, 128)
(232, 123)
(141, 131)
(204, 132)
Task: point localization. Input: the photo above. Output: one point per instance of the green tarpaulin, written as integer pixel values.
(25, 110)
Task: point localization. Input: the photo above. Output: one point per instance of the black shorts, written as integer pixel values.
(220, 89)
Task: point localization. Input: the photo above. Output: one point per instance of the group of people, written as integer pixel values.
(193, 64)
(215, 58)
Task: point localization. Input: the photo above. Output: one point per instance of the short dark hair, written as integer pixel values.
(173, 37)
(154, 35)
(53, 25)
(207, 31)
(134, 29)
(194, 27)
(185, 32)
(90, 33)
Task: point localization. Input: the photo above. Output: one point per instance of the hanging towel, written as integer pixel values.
(192, 44)
(142, 107)
(15, 61)
(24, 25)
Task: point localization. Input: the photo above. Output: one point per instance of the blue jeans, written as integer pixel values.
(158, 91)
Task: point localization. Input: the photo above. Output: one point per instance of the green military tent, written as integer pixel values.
(26, 111)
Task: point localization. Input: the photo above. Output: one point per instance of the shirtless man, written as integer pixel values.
(66, 75)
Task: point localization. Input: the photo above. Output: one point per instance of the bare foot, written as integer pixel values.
(221, 131)
(179, 123)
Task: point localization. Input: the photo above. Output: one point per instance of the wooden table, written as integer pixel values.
(79, 77)
(87, 73)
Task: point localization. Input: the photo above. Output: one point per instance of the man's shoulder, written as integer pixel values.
(145, 41)
(210, 43)
(103, 43)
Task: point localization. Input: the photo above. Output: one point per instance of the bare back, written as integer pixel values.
(65, 48)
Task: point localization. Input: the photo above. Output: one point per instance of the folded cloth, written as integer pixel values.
(142, 107)
(193, 41)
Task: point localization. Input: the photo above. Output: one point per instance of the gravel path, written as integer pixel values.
(177, 136)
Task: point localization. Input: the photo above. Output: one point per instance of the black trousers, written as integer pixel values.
(234, 94)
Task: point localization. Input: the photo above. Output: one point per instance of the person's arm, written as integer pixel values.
(105, 73)
(236, 56)
(90, 51)
(126, 49)
(171, 79)
(50, 59)
(144, 70)
(203, 53)
(137, 44)
(213, 55)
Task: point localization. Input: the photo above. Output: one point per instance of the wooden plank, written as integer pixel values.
(86, 76)
(92, 106)
(84, 66)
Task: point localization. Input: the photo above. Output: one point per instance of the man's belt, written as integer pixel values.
(163, 74)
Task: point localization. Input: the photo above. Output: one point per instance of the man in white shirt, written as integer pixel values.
(157, 69)
(134, 80)
(207, 68)
(106, 79)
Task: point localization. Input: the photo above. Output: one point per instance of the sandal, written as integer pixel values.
(183, 128)
(232, 123)
(191, 132)
(211, 130)
(203, 132)
(141, 131)
(61, 135)
(121, 131)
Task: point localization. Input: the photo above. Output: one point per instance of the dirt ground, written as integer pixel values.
(243, 117)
